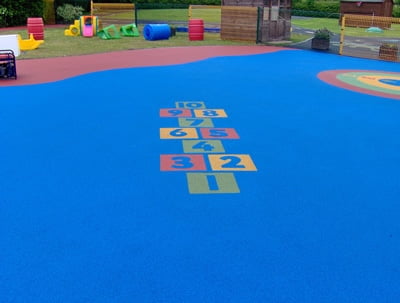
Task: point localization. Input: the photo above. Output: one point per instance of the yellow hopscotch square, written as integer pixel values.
(210, 113)
(231, 162)
(178, 133)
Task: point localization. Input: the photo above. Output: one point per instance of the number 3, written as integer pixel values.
(182, 162)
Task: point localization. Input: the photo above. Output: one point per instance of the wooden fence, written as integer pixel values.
(107, 13)
(239, 23)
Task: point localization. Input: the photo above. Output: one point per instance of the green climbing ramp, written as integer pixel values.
(109, 32)
(130, 30)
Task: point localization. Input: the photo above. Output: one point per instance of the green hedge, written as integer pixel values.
(16, 12)
(311, 8)
(164, 3)
(140, 3)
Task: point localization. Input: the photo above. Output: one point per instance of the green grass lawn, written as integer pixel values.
(58, 45)
(163, 14)
(316, 23)
(333, 26)
(212, 15)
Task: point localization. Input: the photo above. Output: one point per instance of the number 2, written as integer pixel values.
(232, 162)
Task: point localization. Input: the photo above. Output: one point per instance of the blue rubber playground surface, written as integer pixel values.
(231, 179)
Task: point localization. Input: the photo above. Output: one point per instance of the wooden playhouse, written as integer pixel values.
(259, 20)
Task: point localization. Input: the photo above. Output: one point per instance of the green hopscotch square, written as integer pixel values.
(202, 146)
(190, 104)
(195, 122)
(212, 183)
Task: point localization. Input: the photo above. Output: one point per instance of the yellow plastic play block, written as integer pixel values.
(29, 44)
(73, 30)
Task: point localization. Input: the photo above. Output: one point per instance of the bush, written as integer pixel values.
(82, 3)
(323, 33)
(85, 4)
(68, 13)
(396, 11)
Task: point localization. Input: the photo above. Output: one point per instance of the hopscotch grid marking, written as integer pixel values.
(208, 172)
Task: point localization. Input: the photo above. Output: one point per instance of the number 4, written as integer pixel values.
(203, 145)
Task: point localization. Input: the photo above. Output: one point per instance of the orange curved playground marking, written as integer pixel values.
(35, 71)
(363, 81)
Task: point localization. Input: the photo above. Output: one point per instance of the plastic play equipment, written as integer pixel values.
(9, 49)
(156, 32)
(109, 32)
(29, 44)
(8, 68)
(10, 42)
(74, 29)
(374, 29)
(88, 25)
(36, 27)
(196, 29)
(129, 30)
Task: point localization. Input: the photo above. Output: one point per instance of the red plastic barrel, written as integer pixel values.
(196, 29)
(36, 27)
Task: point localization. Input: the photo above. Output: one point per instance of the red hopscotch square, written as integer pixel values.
(182, 162)
(220, 133)
(175, 113)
